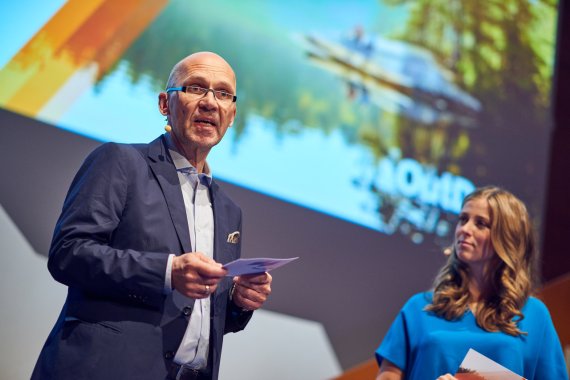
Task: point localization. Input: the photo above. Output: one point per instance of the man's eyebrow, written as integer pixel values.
(197, 78)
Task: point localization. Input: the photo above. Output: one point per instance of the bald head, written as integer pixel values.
(203, 59)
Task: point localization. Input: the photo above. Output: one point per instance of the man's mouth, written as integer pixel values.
(204, 120)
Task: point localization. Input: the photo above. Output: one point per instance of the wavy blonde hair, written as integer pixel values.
(512, 276)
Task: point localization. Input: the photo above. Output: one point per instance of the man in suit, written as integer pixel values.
(141, 241)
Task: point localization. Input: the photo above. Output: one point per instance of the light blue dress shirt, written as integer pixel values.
(193, 350)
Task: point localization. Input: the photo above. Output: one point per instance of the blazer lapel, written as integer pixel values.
(163, 168)
(218, 205)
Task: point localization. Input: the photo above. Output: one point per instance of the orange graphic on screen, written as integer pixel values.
(67, 55)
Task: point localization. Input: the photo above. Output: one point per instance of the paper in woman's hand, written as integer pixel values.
(251, 266)
(476, 366)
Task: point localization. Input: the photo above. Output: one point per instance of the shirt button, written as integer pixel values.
(187, 311)
(168, 355)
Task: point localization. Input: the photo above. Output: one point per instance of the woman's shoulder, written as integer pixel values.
(535, 306)
(419, 301)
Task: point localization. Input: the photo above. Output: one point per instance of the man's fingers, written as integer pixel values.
(198, 291)
(248, 298)
(204, 258)
(211, 271)
(196, 275)
(251, 291)
(261, 279)
(255, 279)
(205, 266)
(264, 289)
(251, 294)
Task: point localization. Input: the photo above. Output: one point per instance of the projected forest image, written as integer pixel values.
(388, 112)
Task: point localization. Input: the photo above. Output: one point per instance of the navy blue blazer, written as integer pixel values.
(124, 213)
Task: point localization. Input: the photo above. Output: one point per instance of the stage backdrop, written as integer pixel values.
(361, 126)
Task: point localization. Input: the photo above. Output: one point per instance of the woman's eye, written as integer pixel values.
(482, 224)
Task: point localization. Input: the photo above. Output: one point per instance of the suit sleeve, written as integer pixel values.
(81, 254)
(236, 319)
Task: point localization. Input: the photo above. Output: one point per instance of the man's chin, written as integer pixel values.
(206, 144)
(204, 138)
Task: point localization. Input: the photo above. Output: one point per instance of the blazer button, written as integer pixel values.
(187, 311)
(168, 355)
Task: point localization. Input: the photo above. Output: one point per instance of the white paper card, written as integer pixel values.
(476, 366)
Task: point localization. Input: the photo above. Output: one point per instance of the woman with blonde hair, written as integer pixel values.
(481, 300)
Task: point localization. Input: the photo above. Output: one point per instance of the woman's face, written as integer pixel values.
(473, 234)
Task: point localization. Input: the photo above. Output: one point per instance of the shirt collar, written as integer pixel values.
(180, 162)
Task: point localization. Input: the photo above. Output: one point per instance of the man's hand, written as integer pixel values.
(196, 275)
(251, 291)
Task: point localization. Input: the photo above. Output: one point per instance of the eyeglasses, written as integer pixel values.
(198, 92)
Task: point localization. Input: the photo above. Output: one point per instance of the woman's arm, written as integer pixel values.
(388, 371)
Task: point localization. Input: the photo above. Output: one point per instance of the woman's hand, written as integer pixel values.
(447, 376)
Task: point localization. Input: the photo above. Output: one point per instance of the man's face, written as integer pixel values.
(199, 122)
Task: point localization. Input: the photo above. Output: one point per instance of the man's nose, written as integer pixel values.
(208, 101)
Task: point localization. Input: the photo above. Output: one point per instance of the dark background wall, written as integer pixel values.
(556, 228)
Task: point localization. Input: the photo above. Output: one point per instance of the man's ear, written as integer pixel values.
(233, 118)
(163, 103)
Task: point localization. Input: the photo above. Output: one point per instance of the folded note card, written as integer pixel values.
(251, 266)
(476, 366)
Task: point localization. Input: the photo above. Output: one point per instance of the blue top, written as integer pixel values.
(426, 346)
